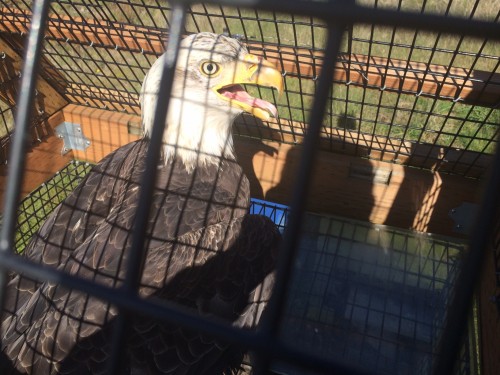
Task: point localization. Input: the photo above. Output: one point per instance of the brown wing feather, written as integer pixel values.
(203, 251)
(70, 224)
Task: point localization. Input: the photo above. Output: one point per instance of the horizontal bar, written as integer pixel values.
(396, 75)
(267, 171)
(168, 312)
(345, 12)
(344, 141)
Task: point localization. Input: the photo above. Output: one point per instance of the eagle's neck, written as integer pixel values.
(198, 134)
(198, 126)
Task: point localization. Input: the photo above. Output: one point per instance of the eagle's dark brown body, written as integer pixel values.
(203, 251)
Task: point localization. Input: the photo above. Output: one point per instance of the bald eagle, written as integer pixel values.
(204, 251)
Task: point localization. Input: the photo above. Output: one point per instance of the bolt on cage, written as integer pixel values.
(336, 19)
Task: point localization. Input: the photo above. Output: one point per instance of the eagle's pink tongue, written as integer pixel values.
(236, 92)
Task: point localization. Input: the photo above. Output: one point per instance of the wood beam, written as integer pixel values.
(376, 147)
(48, 100)
(114, 100)
(342, 184)
(349, 186)
(344, 141)
(471, 86)
(107, 130)
(42, 161)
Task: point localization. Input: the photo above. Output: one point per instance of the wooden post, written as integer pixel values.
(48, 99)
(45, 159)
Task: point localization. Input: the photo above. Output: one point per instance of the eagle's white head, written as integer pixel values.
(207, 96)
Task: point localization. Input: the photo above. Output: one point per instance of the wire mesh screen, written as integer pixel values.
(347, 296)
(41, 202)
(35, 208)
(371, 294)
(408, 96)
(360, 292)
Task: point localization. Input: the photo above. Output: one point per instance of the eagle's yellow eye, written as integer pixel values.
(209, 68)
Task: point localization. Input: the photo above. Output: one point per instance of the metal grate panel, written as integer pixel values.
(95, 54)
(359, 292)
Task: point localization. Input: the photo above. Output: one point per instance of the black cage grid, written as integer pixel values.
(452, 149)
(41, 202)
(359, 292)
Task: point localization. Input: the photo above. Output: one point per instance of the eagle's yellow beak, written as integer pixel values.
(251, 70)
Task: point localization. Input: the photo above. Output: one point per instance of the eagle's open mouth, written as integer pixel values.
(238, 94)
(250, 70)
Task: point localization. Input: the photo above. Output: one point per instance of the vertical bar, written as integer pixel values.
(468, 276)
(22, 137)
(134, 268)
(270, 322)
(137, 254)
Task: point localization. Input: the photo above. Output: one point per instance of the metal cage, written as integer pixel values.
(408, 84)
